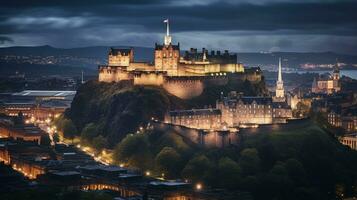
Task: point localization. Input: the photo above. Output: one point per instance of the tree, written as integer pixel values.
(229, 173)
(197, 168)
(134, 150)
(249, 161)
(88, 133)
(99, 143)
(169, 161)
(69, 130)
(277, 183)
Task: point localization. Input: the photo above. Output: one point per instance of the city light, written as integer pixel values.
(198, 186)
(147, 173)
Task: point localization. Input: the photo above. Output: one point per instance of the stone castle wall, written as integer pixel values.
(208, 139)
(184, 87)
(149, 78)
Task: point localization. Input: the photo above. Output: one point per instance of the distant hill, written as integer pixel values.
(90, 57)
(295, 59)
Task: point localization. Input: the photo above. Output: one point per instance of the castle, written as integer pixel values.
(184, 75)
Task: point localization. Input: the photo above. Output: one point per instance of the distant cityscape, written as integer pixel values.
(156, 129)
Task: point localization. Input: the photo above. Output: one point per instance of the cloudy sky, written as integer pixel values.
(238, 25)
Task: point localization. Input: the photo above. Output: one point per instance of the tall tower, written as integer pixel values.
(336, 71)
(167, 39)
(167, 56)
(279, 90)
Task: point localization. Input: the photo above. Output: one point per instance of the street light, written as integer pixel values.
(198, 186)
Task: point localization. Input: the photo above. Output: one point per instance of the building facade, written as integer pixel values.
(240, 110)
(209, 119)
(233, 111)
(327, 83)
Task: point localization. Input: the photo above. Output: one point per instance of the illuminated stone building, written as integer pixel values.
(345, 118)
(120, 57)
(233, 111)
(195, 69)
(167, 56)
(240, 111)
(196, 118)
(327, 83)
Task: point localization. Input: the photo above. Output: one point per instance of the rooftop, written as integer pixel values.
(196, 112)
(45, 93)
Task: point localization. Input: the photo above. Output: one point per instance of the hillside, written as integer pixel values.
(119, 108)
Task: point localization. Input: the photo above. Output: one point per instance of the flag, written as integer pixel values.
(166, 20)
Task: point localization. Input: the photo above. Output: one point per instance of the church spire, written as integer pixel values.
(279, 90)
(280, 79)
(167, 39)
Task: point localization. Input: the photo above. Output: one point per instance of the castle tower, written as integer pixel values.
(279, 90)
(336, 72)
(167, 56)
(336, 78)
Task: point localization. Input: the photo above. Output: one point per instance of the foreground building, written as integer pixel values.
(238, 110)
(182, 75)
(234, 110)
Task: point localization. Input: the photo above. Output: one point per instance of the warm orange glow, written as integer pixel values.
(198, 186)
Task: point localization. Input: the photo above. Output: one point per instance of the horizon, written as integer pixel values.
(148, 47)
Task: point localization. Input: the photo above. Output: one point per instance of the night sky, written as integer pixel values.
(238, 25)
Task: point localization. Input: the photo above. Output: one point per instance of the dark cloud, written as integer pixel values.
(93, 21)
(4, 39)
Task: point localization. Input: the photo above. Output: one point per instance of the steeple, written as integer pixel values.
(279, 90)
(280, 79)
(167, 39)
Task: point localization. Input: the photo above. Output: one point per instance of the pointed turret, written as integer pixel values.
(167, 39)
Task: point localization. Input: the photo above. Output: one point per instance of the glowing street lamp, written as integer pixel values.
(198, 186)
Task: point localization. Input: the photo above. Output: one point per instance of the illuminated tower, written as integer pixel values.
(279, 90)
(336, 72)
(167, 55)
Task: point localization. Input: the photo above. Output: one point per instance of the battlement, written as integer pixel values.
(215, 57)
(120, 57)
